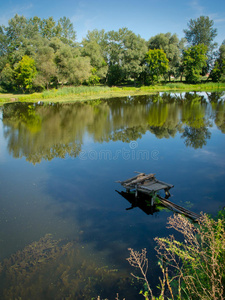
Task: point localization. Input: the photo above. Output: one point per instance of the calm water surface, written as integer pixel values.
(64, 230)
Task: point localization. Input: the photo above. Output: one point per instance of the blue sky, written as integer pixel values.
(144, 17)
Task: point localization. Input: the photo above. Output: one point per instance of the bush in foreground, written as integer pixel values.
(192, 269)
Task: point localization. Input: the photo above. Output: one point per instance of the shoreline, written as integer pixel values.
(85, 93)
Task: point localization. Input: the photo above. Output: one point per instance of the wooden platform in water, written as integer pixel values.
(145, 183)
(148, 184)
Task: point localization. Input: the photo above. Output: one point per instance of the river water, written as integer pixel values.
(64, 228)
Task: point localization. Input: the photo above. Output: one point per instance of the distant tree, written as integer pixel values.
(95, 52)
(46, 67)
(157, 64)
(64, 54)
(3, 42)
(25, 72)
(48, 28)
(124, 53)
(172, 46)
(80, 70)
(201, 31)
(218, 72)
(7, 77)
(21, 37)
(194, 59)
(98, 36)
(66, 31)
(133, 51)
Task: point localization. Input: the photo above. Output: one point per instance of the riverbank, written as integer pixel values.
(81, 93)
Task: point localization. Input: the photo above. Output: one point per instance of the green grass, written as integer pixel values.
(80, 93)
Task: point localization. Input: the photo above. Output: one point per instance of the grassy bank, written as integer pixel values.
(80, 93)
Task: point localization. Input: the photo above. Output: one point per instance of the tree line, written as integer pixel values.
(36, 54)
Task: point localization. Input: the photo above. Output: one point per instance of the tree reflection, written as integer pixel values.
(196, 137)
(39, 132)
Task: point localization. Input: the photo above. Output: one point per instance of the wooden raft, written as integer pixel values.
(145, 184)
(148, 184)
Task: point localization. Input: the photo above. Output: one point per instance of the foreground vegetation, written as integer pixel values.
(80, 93)
(193, 268)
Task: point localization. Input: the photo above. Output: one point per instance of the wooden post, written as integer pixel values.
(152, 201)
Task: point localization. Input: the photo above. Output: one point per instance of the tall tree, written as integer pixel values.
(218, 71)
(194, 59)
(133, 50)
(124, 52)
(80, 70)
(48, 28)
(95, 52)
(201, 31)
(25, 72)
(157, 64)
(46, 67)
(172, 46)
(66, 31)
(7, 78)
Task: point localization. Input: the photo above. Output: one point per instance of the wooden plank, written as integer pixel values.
(179, 208)
(141, 179)
(155, 185)
(133, 178)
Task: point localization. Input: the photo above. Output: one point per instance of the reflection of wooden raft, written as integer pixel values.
(149, 185)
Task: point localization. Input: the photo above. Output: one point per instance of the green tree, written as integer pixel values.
(93, 50)
(194, 59)
(48, 28)
(25, 72)
(66, 31)
(3, 42)
(172, 46)
(157, 64)
(201, 31)
(64, 56)
(124, 53)
(80, 70)
(133, 50)
(46, 67)
(7, 77)
(218, 71)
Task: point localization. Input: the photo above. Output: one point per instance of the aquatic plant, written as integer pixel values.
(57, 269)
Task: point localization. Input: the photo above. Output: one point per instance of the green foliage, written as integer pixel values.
(218, 72)
(7, 77)
(95, 52)
(118, 57)
(199, 259)
(46, 67)
(157, 64)
(93, 79)
(124, 53)
(25, 72)
(201, 31)
(172, 46)
(196, 265)
(194, 59)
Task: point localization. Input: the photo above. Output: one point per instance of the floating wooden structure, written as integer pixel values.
(147, 184)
